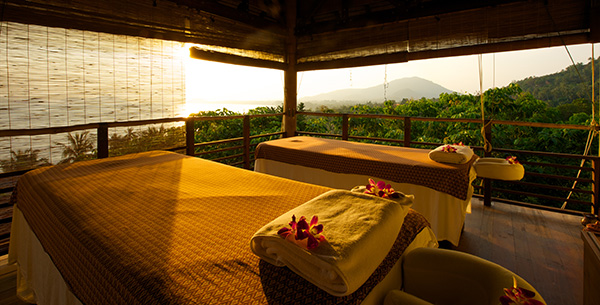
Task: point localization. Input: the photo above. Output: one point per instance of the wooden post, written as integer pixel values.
(102, 141)
(290, 74)
(189, 137)
(596, 186)
(345, 127)
(407, 127)
(246, 141)
(487, 183)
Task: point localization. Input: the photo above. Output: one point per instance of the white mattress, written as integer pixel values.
(445, 213)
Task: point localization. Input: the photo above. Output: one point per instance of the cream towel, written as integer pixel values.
(403, 199)
(462, 155)
(497, 168)
(360, 230)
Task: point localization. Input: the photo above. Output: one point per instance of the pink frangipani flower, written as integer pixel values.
(518, 296)
(449, 148)
(512, 160)
(381, 189)
(302, 233)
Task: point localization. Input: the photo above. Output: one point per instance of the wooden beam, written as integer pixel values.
(354, 62)
(235, 59)
(290, 75)
(544, 42)
(595, 21)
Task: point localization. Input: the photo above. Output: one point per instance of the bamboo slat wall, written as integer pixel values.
(55, 77)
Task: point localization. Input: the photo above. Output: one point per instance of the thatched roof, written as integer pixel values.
(322, 34)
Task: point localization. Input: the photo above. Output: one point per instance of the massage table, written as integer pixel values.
(165, 228)
(442, 191)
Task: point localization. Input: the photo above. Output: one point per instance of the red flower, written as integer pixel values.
(518, 296)
(381, 189)
(512, 160)
(449, 148)
(301, 233)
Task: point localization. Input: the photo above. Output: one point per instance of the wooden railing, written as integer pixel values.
(487, 187)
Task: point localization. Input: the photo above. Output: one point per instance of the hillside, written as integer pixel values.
(566, 86)
(399, 89)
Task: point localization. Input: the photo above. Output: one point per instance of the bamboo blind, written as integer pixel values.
(54, 77)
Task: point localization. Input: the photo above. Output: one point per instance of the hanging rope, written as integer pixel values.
(385, 84)
(487, 146)
(351, 78)
(593, 90)
(591, 134)
(588, 145)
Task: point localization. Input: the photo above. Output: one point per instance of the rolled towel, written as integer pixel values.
(460, 154)
(360, 230)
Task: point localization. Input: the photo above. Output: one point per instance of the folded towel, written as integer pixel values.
(462, 154)
(403, 199)
(360, 230)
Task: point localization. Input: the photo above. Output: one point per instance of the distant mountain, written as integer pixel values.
(399, 89)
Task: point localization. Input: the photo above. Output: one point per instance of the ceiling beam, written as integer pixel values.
(235, 59)
(354, 62)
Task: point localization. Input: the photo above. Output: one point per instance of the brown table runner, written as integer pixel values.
(398, 164)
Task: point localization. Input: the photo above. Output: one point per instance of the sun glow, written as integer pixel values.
(211, 84)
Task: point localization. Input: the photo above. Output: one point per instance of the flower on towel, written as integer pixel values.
(518, 296)
(512, 160)
(302, 233)
(459, 144)
(381, 189)
(449, 148)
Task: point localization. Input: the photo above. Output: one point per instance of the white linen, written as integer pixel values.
(445, 213)
(360, 230)
(46, 286)
(38, 280)
(462, 155)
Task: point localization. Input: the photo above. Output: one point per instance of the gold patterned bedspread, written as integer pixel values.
(398, 164)
(164, 228)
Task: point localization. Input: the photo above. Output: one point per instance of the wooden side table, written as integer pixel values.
(591, 268)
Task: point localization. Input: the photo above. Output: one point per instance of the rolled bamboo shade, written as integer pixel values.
(55, 77)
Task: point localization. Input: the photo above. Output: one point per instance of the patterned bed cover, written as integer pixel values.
(399, 164)
(163, 228)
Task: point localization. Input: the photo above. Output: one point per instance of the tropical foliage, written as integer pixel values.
(152, 138)
(79, 147)
(215, 130)
(571, 84)
(23, 160)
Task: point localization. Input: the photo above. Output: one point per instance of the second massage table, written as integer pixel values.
(442, 191)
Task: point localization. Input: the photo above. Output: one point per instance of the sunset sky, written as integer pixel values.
(211, 82)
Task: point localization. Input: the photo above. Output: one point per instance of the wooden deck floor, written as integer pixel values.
(544, 248)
